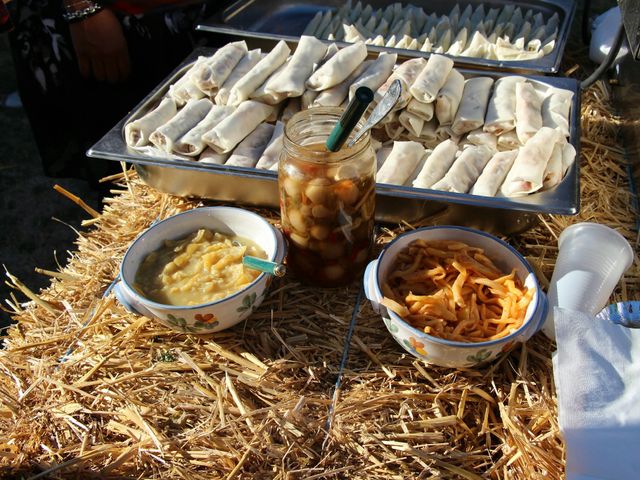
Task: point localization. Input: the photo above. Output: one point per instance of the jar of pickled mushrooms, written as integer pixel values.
(327, 200)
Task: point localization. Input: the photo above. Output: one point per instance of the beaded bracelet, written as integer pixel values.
(76, 15)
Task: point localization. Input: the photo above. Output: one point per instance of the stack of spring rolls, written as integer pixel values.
(505, 34)
(446, 132)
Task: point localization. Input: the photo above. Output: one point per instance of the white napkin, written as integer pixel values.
(597, 376)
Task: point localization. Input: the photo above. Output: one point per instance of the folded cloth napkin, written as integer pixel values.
(597, 377)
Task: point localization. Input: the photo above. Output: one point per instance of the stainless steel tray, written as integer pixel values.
(250, 186)
(286, 20)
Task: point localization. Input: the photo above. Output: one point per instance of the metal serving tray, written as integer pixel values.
(286, 20)
(250, 186)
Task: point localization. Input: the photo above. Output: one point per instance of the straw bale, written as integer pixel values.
(89, 390)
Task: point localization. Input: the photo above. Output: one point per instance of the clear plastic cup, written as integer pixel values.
(591, 260)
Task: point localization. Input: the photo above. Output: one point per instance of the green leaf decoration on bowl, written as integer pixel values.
(179, 322)
(393, 328)
(247, 303)
(479, 357)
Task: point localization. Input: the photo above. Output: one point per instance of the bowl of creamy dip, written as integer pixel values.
(187, 271)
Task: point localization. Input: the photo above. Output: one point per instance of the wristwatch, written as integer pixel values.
(75, 11)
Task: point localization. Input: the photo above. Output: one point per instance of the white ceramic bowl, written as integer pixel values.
(212, 316)
(448, 353)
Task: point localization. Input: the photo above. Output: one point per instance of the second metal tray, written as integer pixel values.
(286, 20)
(255, 187)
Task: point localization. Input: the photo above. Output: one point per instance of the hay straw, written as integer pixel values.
(134, 399)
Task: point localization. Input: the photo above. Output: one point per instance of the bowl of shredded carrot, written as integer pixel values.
(455, 296)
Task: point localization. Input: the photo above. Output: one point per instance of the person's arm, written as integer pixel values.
(98, 40)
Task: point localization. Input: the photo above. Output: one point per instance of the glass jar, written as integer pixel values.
(327, 200)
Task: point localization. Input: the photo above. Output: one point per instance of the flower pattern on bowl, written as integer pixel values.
(414, 346)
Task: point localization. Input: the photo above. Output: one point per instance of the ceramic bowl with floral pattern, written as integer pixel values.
(439, 351)
(207, 317)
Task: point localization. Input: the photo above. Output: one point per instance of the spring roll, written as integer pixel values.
(431, 79)
(448, 98)
(233, 129)
(420, 109)
(555, 110)
(261, 94)
(338, 67)
(494, 174)
(185, 89)
(191, 143)
(528, 111)
(501, 110)
(375, 74)
(527, 174)
(553, 171)
(188, 117)
(249, 150)
(291, 80)
(213, 157)
(473, 106)
(307, 99)
(401, 163)
(508, 141)
(334, 96)
(137, 133)
(411, 123)
(480, 137)
(210, 75)
(250, 60)
(406, 72)
(271, 154)
(437, 164)
(258, 74)
(465, 170)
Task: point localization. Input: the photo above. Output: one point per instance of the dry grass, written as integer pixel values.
(90, 390)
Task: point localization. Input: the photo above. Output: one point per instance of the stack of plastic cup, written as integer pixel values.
(591, 260)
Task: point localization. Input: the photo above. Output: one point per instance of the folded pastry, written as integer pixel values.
(185, 88)
(401, 163)
(420, 109)
(430, 80)
(234, 128)
(494, 174)
(334, 96)
(465, 170)
(188, 117)
(528, 111)
(527, 174)
(290, 82)
(375, 74)
(501, 110)
(473, 106)
(449, 97)
(338, 67)
(555, 110)
(258, 74)
(271, 154)
(406, 72)
(437, 164)
(211, 74)
(249, 150)
(191, 143)
(137, 133)
(250, 59)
